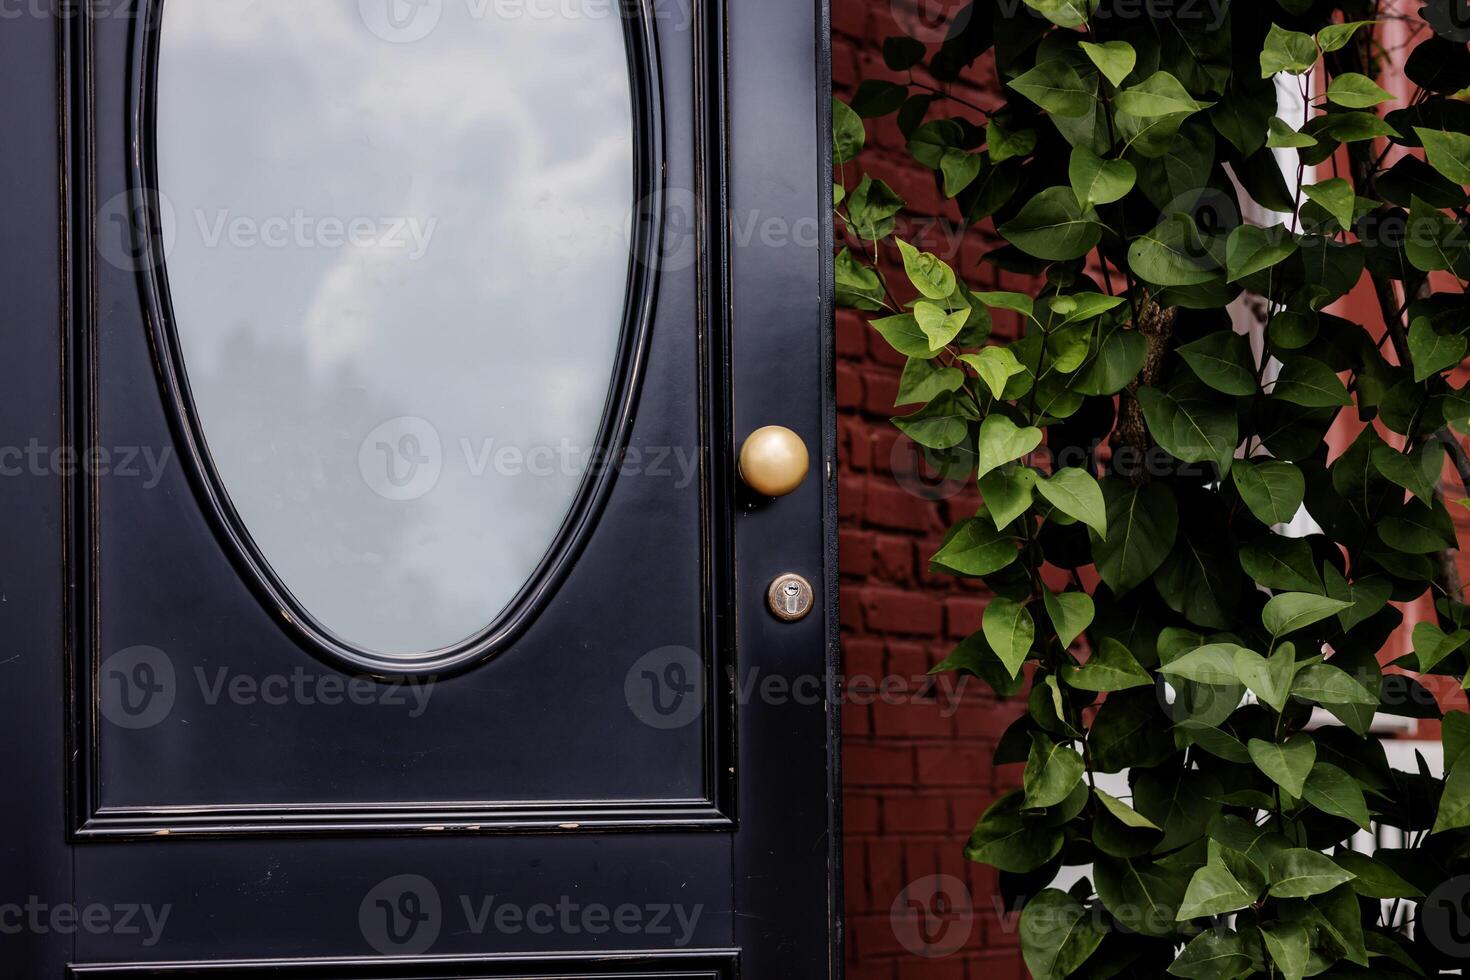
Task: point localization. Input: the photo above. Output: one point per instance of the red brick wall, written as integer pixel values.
(917, 771)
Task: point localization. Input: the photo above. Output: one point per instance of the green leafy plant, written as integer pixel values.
(1158, 419)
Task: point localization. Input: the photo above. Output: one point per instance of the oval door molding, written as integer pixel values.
(383, 384)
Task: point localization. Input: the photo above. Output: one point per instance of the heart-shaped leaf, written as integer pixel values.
(1052, 771)
(1010, 631)
(1292, 611)
(1110, 668)
(1070, 612)
(1098, 181)
(1076, 493)
(1286, 764)
(1002, 441)
(995, 366)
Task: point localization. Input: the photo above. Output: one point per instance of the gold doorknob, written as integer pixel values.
(773, 461)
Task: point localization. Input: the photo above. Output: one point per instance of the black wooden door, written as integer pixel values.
(627, 769)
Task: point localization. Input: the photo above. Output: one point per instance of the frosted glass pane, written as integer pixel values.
(396, 244)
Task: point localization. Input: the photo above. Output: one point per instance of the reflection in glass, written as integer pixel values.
(396, 249)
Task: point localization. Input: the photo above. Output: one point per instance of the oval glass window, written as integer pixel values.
(397, 254)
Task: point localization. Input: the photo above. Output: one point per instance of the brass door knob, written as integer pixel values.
(773, 461)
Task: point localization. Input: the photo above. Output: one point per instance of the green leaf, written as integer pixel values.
(928, 143)
(1351, 126)
(923, 380)
(902, 53)
(1286, 764)
(938, 324)
(973, 655)
(1250, 249)
(1454, 804)
(857, 285)
(1448, 153)
(1310, 383)
(995, 366)
(1375, 879)
(1283, 137)
(1172, 254)
(1290, 948)
(1223, 361)
(1269, 680)
(871, 209)
(1142, 896)
(1329, 685)
(929, 274)
(1098, 181)
(1432, 644)
(1333, 791)
(875, 98)
(1181, 801)
(1213, 891)
(1300, 873)
(1278, 562)
(848, 135)
(1115, 59)
(1120, 356)
(1433, 352)
(959, 169)
(1053, 226)
(1058, 934)
(1002, 441)
(1433, 241)
(1016, 302)
(1142, 524)
(1007, 493)
(1287, 51)
(1003, 143)
(1418, 472)
(1010, 632)
(1076, 307)
(1111, 667)
(1161, 94)
(1076, 493)
(1190, 422)
(1356, 91)
(1125, 814)
(1212, 664)
(1218, 954)
(1336, 197)
(1367, 595)
(1070, 612)
(1055, 86)
(1272, 490)
(1292, 611)
(1417, 530)
(942, 424)
(904, 335)
(1064, 13)
(1052, 771)
(1007, 841)
(976, 548)
(1335, 36)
